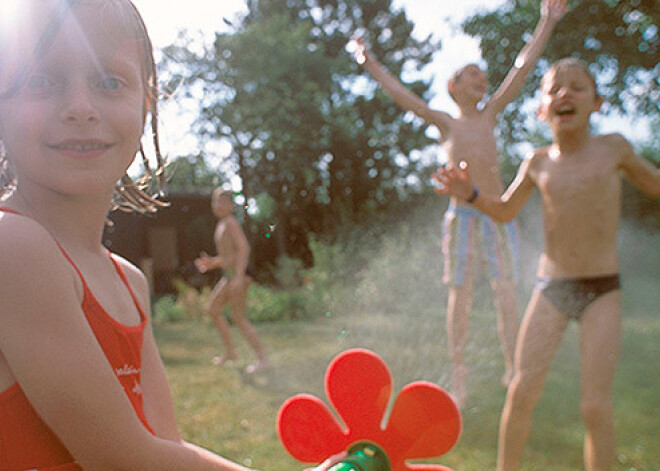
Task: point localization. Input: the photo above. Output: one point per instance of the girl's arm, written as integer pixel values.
(398, 92)
(637, 169)
(158, 404)
(53, 354)
(456, 182)
(551, 12)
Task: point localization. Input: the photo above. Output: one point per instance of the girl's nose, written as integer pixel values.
(78, 107)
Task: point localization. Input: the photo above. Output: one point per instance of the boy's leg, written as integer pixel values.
(239, 317)
(457, 250)
(540, 335)
(458, 307)
(508, 322)
(502, 253)
(217, 302)
(599, 342)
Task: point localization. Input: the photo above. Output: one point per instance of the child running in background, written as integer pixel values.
(579, 179)
(232, 256)
(468, 234)
(82, 385)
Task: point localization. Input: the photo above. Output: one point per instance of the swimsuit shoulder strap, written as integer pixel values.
(66, 255)
(118, 268)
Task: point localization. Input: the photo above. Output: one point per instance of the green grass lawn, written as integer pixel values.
(234, 414)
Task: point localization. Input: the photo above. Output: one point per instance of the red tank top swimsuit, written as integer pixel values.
(26, 442)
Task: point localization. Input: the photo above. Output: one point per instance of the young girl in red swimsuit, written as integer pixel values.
(82, 385)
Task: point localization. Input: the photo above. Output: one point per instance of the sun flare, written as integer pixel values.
(9, 10)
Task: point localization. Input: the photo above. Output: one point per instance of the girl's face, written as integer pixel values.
(74, 124)
(568, 99)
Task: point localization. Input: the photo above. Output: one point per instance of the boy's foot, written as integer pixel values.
(222, 360)
(257, 366)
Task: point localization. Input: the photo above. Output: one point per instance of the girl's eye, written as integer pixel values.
(38, 82)
(111, 83)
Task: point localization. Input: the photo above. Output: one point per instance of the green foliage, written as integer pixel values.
(265, 208)
(168, 309)
(192, 174)
(267, 304)
(282, 91)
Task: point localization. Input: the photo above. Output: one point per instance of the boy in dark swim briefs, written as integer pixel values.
(572, 296)
(579, 178)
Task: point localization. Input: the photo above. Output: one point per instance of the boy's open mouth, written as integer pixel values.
(565, 110)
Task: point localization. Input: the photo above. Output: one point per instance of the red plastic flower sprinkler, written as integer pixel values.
(424, 423)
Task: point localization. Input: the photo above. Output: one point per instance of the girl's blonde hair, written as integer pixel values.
(130, 195)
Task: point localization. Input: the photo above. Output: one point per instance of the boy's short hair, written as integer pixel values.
(569, 63)
(223, 193)
(457, 75)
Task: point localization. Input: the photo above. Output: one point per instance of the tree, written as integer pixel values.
(191, 174)
(619, 38)
(282, 90)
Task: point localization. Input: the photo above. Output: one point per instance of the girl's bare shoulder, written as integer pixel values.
(136, 278)
(23, 240)
(32, 266)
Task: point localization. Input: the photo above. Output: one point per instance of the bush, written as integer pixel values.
(168, 309)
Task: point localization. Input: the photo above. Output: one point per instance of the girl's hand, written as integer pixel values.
(454, 181)
(329, 463)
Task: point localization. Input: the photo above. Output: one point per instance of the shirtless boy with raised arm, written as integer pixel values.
(470, 137)
(579, 179)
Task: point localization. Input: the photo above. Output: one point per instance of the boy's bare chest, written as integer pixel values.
(471, 139)
(579, 191)
(222, 239)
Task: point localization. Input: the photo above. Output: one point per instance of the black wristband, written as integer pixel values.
(473, 196)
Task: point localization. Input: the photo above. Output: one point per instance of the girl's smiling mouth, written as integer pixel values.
(81, 147)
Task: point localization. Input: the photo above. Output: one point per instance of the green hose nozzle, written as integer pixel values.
(364, 456)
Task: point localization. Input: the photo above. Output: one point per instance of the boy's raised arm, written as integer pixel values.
(396, 90)
(551, 12)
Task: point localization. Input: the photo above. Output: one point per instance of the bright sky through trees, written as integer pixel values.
(440, 18)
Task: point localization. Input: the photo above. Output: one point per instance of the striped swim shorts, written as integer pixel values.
(469, 237)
